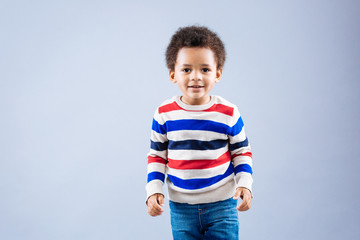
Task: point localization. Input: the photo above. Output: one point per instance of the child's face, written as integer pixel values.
(195, 73)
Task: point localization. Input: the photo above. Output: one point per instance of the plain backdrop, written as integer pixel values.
(80, 81)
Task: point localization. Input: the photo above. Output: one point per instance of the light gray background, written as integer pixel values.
(80, 81)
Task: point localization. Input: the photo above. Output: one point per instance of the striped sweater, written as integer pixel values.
(201, 150)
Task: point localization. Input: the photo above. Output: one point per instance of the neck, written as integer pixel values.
(200, 101)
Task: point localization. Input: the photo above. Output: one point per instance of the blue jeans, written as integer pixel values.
(218, 220)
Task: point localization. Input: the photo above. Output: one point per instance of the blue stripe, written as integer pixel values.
(243, 168)
(199, 183)
(159, 146)
(197, 145)
(237, 145)
(155, 175)
(195, 124)
(158, 127)
(236, 129)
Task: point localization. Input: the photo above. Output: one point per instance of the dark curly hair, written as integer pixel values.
(195, 36)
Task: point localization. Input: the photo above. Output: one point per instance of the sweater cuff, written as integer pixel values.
(245, 180)
(155, 186)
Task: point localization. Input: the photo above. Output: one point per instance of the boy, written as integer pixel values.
(199, 142)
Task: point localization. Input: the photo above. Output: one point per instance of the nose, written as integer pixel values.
(196, 75)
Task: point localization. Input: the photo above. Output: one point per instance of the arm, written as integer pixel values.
(157, 159)
(241, 156)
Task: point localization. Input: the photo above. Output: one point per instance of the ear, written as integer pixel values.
(218, 74)
(172, 75)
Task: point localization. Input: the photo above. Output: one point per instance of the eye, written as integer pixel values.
(205, 70)
(187, 70)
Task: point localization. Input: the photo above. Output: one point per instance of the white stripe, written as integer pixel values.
(221, 100)
(239, 137)
(154, 153)
(195, 134)
(182, 114)
(242, 160)
(158, 118)
(158, 137)
(236, 116)
(199, 173)
(156, 167)
(196, 154)
(241, 150)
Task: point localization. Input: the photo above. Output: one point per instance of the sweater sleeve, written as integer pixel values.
(157, 157)
(240, 151)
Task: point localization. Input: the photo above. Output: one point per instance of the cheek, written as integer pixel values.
(211, 85)
(181, 84)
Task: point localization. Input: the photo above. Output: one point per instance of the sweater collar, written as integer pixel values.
(194, 107)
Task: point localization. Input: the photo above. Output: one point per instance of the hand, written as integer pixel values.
(155, 203)
(245, 195)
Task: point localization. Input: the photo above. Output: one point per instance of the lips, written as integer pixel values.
(196, 86)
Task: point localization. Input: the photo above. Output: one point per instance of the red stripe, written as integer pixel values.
(199, 164)
(156, 160)
(249, 154)
(169, 107)
(221, 108)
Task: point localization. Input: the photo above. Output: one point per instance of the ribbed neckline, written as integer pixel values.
(195, 107)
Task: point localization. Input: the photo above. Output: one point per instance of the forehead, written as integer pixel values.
(195, 55)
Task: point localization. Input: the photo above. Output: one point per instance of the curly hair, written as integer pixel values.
(195, 36)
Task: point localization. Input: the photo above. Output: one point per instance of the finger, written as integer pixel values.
(242, 195)
(150, 199)
(158, 202)
(237, 193)
(242, 206)
(247, 195)
(245, 205)
(156, 207)
(154, 211)
(151, 211)
(161, 199)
